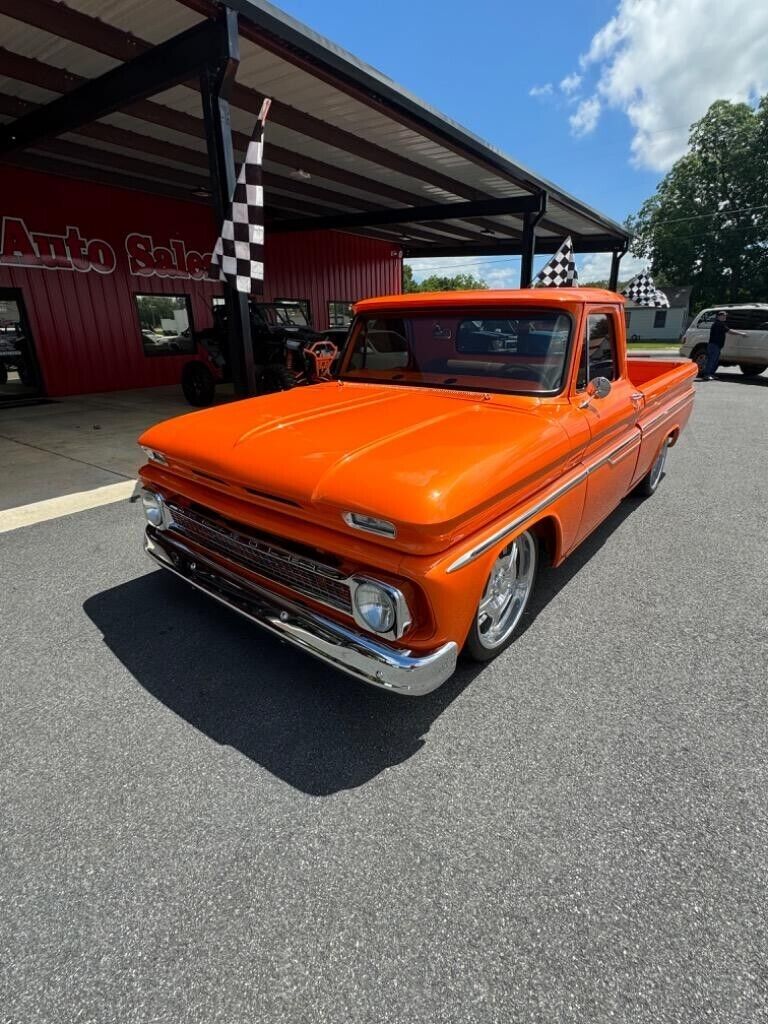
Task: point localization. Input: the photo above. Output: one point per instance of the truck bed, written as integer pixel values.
(659, 378)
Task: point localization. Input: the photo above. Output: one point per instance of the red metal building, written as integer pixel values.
(120, 128)
(76, 255)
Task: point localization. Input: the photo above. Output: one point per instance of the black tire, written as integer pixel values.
(699, 356)
(198, 385)
(276, 378)
(3, 373)
(25, 376)
(650, 482)
(750, 370)
(477, 646)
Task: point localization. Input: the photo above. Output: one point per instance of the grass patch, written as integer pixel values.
(652, 346)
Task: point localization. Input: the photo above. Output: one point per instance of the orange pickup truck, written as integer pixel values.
(387, 520)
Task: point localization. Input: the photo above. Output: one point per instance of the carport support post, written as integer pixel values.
(216, 81)
(529, 250)
(530, 220)
(613, 280)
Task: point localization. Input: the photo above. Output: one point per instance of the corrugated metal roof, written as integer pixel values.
(368, 144)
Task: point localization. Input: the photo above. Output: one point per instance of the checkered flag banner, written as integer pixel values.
(643, 292)
(238, 256)
(560, 272)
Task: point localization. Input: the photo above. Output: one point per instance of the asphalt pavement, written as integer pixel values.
(199, 825)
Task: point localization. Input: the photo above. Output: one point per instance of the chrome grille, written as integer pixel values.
(299, 573)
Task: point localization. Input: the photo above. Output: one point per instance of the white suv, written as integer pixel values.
(750, 352)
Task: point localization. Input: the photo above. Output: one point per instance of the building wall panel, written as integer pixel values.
(84, 322)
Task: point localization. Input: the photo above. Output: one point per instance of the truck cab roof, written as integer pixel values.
(487, 298)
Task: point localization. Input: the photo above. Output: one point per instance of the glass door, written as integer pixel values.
(19, 372)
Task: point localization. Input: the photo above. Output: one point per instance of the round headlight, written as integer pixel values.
(153, 507)
(375, 607)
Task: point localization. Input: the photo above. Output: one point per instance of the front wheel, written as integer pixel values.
(750, 370)
(652, 478)
(505, 598)
(198, 384)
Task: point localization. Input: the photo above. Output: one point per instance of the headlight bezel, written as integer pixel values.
(153, 502)
(401, 613)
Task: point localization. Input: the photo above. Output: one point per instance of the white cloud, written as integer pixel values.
(570, 83)
(541, 90)
(584, 119)
(663, 62)
(504, 271)
(597, 266)
(496, 271)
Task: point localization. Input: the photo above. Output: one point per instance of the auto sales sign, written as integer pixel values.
(22, 246)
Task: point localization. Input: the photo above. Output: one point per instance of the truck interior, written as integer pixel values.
(521, 352)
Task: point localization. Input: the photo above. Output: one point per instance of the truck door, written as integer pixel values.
(611, 454)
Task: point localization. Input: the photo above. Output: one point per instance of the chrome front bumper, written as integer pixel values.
(346, 650)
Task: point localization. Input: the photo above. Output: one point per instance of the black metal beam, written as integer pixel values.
(216, 81)
(513, 205)
(513, 247)
(158, 69)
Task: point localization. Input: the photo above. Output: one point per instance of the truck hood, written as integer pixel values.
(426, 460)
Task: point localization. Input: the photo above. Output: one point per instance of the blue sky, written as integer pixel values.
(595, 96)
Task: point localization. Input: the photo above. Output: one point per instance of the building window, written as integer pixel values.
(660, 318)
(627, 318)
(339, 313)
(166, 324)
(295, 311)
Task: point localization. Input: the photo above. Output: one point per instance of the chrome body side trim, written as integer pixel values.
(620, 450)
(649, 424)
(361, 657)
(508, 528)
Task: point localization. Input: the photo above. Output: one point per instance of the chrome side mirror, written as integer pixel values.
(598, 387)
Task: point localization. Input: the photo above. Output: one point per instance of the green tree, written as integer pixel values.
(707, 224)
(154, 308)
(409, 283)
(440, 282)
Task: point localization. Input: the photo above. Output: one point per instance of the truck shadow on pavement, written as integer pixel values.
(310, 726)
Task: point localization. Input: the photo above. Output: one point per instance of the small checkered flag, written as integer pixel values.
(560, 272)
(238, 256)
(643, 292)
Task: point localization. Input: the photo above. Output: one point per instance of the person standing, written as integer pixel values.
(717, 333)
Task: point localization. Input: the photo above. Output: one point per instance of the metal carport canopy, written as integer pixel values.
(345, 144)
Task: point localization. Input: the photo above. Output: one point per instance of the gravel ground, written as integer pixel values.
(200, 825)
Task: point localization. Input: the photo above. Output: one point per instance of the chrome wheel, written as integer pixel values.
(657, 468)
(507, 592)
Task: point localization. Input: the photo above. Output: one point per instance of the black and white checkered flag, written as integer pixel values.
(238, 255)
(643, 292)
(560, 272)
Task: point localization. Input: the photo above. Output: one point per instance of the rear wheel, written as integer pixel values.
(699, 356)
(198, 384)
(652, 478)
(750, 370)
(505, 598)
(3, 373)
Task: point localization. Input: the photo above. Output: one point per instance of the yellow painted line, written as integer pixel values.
(66, 505)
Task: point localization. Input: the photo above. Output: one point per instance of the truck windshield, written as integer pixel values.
(520, 350)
